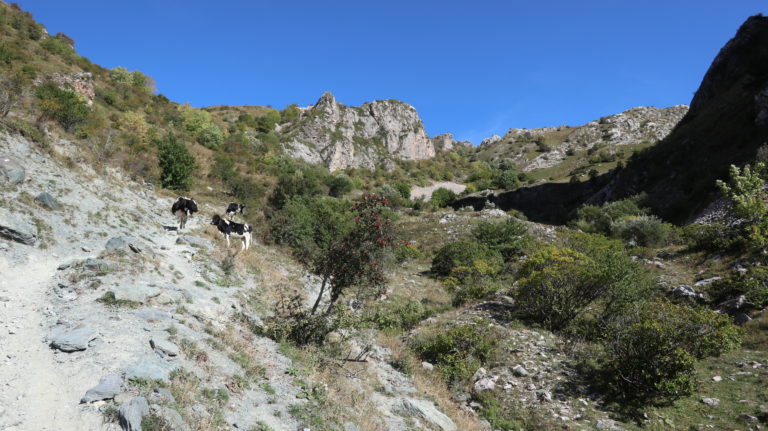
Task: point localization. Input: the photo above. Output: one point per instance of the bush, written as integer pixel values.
(339, 185)
(404, 189)
(651, 350)
(297, 183)
(399, 315)
(714, 238)
(464, 253)
(309, 224)
(176, 163)
(407, 251)
(644, 231)
(753, 284)
(442, 197)
(508, 238)
(472, 283)
(600, 219)
(63, 106)
(506, 180)
(457, 351)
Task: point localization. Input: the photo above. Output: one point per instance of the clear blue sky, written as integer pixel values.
(472, 68)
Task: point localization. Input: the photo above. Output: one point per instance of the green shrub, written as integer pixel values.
(399, 315)
(644, 231)
(63, 106)
(506, 180)
(339, 184)
(407, 251)
(464, 253)
(309, 224)
(753, 284)
(600, 219)
(472, 283)
(442, 197)
(650, 351)
(714, 238)
(176, 163)
(296, 183)
(404, 189)
(457, 351)
(57, 47)
(508, 238)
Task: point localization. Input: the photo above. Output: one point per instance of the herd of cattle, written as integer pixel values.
(184, 207)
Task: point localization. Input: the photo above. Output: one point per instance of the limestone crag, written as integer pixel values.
(632, 126)
(368, 136)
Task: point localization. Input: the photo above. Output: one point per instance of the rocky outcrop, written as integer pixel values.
(81, 83)
(445, 142)
(368, 136)
(633, 126)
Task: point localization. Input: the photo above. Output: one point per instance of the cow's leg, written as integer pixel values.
(227, 237)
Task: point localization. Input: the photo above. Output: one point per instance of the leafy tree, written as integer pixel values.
(600, 219)
(296, 183)
(176, 163)
(12, 90)
(507, 179)
(290, 113)
(404, 189)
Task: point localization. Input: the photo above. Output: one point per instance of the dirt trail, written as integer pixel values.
(35, 393)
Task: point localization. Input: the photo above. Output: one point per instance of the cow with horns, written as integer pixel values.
(183, 208)
(238, 230)
(234, 208)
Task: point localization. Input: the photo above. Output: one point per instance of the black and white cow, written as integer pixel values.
(183, 208)
(233, 209)
(238, 230)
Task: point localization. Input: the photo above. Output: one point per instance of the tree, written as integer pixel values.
(339, 185)
(63, 106)
(442, 197)
(746, 190)
(357, 258)
(176, 163)
(290, 113)
(12, 90)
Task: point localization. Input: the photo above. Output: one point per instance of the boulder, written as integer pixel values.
(47, 201)
(109, 386)
(164, 346)
(98, 265)
(151, 314)
(194, 241)
(11, 171)
(16, 228)
(140, 293)
(150, 367)
(426, 411)
(71, 340)
(520, 371)
(487, 383)
(125, 244)
(712, 402)
(172, 418)
(685, 291)
(131, 413)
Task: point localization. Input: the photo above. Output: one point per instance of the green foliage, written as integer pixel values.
(176, 163)
(650, 351)
(401, 315)
(404, 189)
(407, 251)
(472, 283)
(464, 253)
(442, 197)
(58, 47)
(310, 224)
(200, 124)
(457, 351)
(753, 284)
(746, 190)
(509, 238)
(63, 106)
(295, 183)
(713, 238)
(339, 184)
(644, 231)
(290, 113)
(600, 219)
(506, 180)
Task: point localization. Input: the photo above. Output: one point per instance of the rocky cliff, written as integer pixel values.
(552, 145)
(368, 136)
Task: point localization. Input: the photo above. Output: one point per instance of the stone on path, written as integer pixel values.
(109, 386)
(132, 412)
(71, 340)
(426, 411)
(11, 171)
(150, 367)
(140, 293)
(47, 201)
(16, 228)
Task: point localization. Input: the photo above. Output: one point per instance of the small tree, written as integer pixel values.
(12, 89)
(746, 190)
(176, 163)
(63, 106)
(357, 258)
(339, 185)
(442, 197)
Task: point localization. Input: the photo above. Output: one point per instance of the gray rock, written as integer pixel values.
(712, 402)
(172, 418)
(741, 318)
(349, 426)
(151, 314)
(98, 265)
(13, 227)
(150, 367)
(706, 282)
(47, 201)
(519, 371)
(735, 305)
(606, 424)
(748, 418)
(194, 241)
(685, 291)
(132, 412)
(426, 411)
(163, 396)
(164, 346)
(109, 386)
(140, 293)
(11, 171)
(427, 366)
(487, 383)
(479, 374)
(126, 244)
(71, 340)
(544, 395)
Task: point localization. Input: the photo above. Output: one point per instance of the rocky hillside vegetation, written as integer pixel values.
(564, 152)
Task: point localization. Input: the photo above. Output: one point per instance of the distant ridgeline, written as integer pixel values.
(726, 123)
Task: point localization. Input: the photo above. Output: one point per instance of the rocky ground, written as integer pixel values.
(109, 315)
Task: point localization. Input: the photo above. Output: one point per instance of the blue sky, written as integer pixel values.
(472, 68)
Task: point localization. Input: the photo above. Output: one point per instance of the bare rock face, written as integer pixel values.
(367, 136)
(445, 142)
(81, 83)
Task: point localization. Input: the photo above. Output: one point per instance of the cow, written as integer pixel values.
(183, 208)
(233, 209)
(238, 230)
